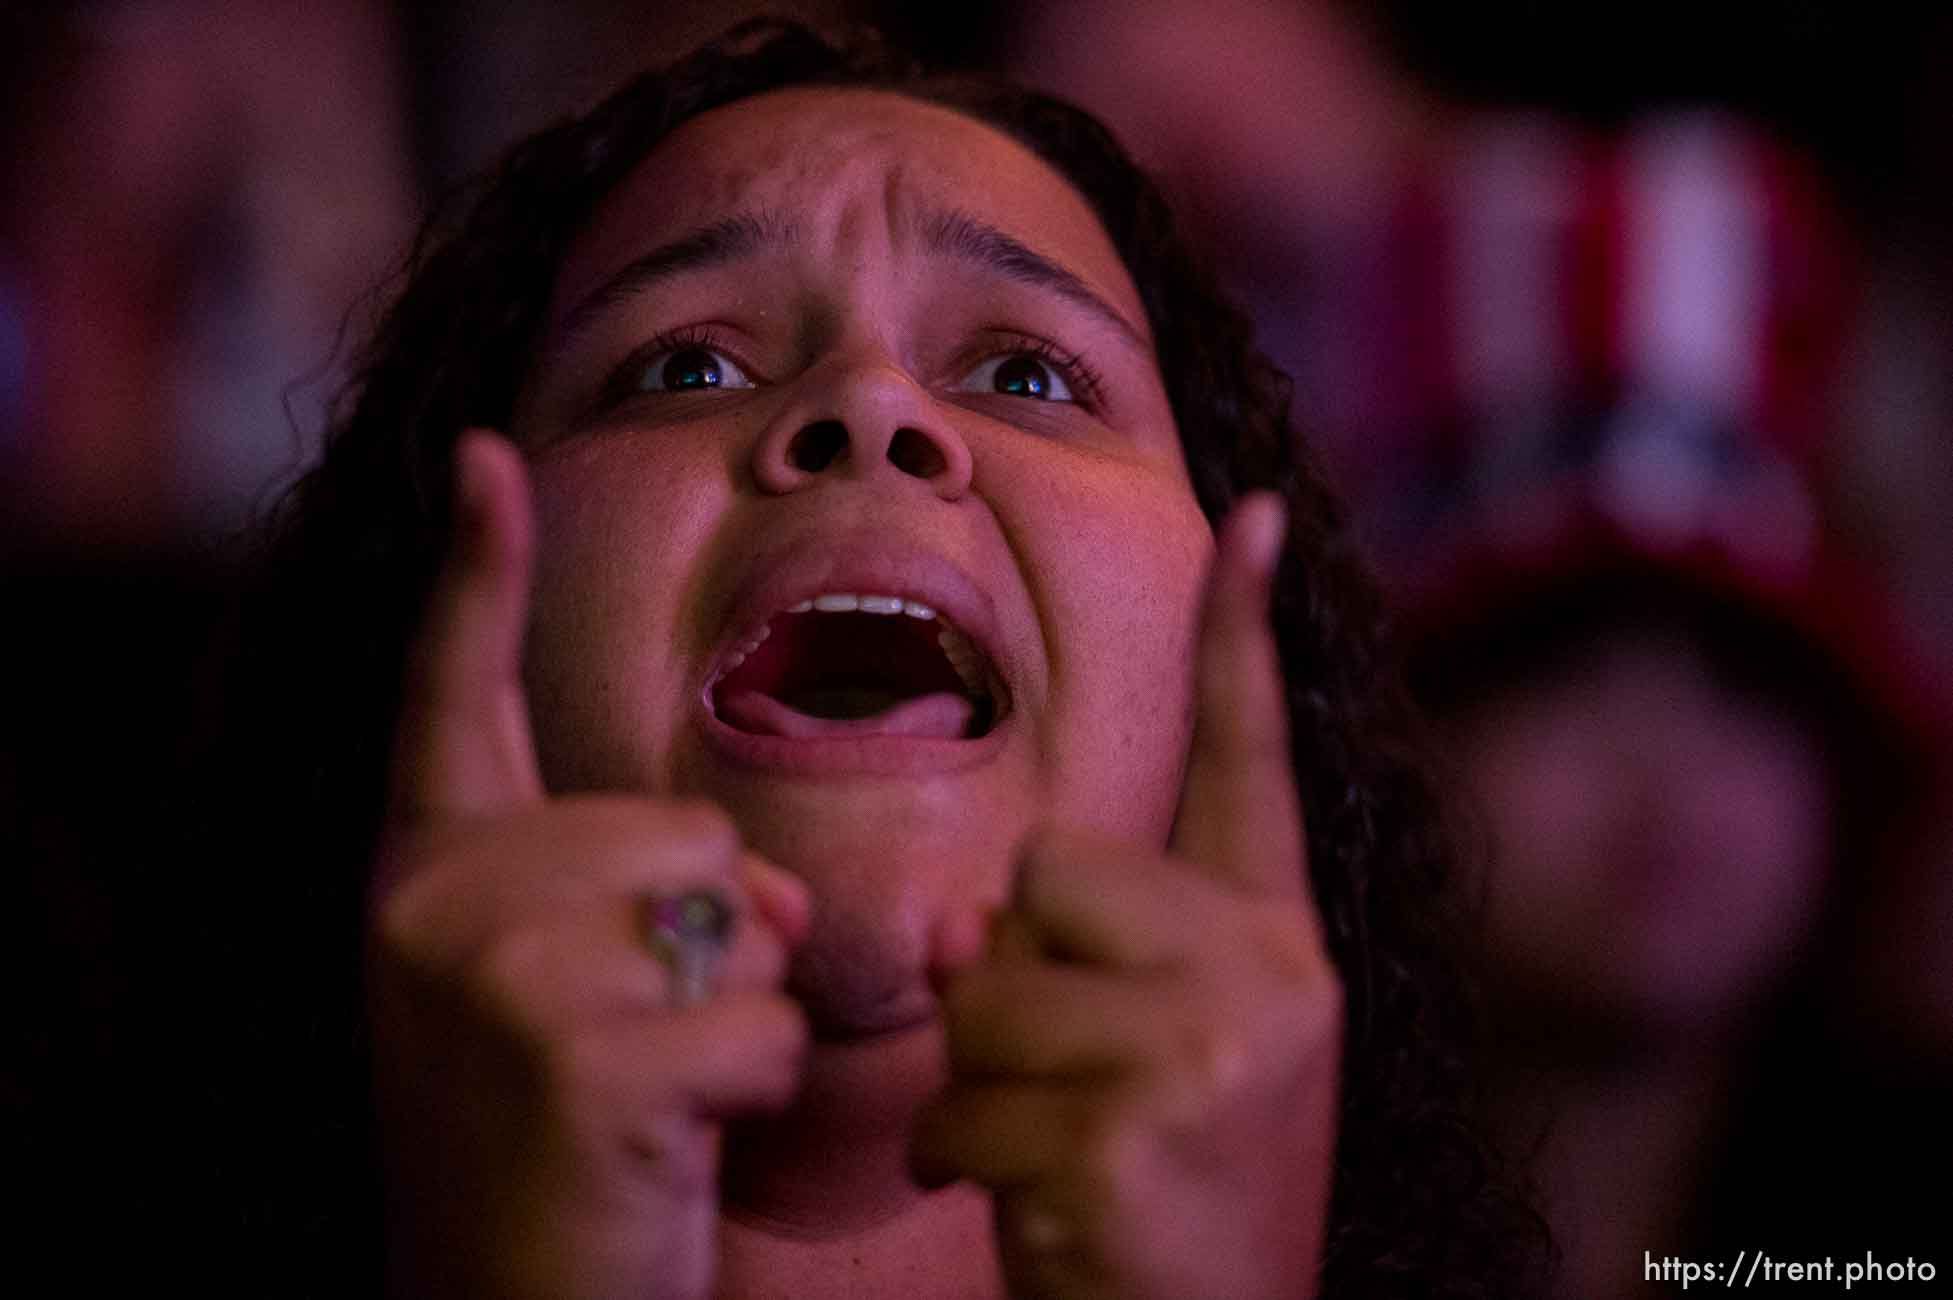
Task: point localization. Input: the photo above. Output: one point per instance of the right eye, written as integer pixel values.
(689, 367)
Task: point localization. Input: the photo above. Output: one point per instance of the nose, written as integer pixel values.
(863, 419)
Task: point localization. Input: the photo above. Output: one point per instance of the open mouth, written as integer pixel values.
(844, 665)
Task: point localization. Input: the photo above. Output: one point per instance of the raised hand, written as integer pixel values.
(550, 1111)
(1145, 1062)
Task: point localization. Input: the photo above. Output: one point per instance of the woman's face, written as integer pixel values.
(837, 343)
(1660, 838)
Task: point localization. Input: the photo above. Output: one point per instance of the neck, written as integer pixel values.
(822, 1192)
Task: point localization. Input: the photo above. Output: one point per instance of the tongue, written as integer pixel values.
(943, 715)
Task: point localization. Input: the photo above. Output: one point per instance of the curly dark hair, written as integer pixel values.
(1418, 1207)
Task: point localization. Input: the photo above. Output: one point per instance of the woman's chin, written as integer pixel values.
(854, 991)
(841, 1026)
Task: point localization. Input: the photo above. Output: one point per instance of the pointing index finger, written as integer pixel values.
(1239, 813)
(463, 744)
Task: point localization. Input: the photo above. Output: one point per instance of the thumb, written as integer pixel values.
(463, 744)
(1239, 812)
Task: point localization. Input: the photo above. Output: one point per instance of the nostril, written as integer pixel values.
(914, 452)
(815, 447)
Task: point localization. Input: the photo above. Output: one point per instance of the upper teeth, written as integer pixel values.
(961, 652)
(963, 656)
(746, 647)
(844, 602)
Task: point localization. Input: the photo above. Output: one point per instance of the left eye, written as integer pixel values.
(690, 369)
(1018, 374)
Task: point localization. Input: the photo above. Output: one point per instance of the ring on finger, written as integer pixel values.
(689, 933)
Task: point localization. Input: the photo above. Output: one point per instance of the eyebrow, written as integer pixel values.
(730, 239)
(950, 234)
(964, 238)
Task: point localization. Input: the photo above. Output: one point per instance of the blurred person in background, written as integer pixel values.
(1300, 136)
(1690, 721)
(197, 195)
(202, 191)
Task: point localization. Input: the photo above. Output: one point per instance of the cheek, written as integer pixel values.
(1119, 577)
(1762, 810)
(602, 666)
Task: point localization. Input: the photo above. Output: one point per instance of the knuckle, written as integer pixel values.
(757, 1024)
(1319, 1015)
(1214, 1061)
(702, 824)
(774, 1042)
(650, 1139)
(576, 1064)
(397, 924)
(1291, 950)
(504, 990)
(1116, 1152)
(1304, 1028)
(782, 1025)
(685, 1165)
(1303, 996)
(407, 854)
(511, 965)
(792, 1041)
(411, 922)
(760, 959)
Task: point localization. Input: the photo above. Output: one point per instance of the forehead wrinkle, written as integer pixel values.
(813, 176)
(900, 209)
